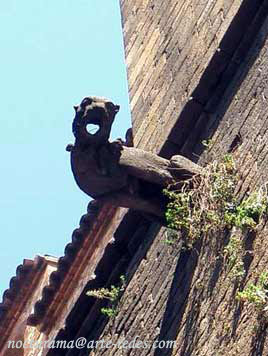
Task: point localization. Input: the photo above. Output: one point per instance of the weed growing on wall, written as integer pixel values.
(207, 203)
(171, 236)
(248, 214)
(257, 295)
(233, 256)
(204, 202)
(112, 294)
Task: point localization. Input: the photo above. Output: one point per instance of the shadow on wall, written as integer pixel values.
(258, 340)
(194, 293)
(125, 256)
(199, 120)
(178, 296)
(219, 83)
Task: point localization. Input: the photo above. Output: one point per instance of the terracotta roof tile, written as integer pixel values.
(64, 263)
(15, 283)
(13, 293)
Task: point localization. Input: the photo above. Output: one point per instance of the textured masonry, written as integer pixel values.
(196, 70)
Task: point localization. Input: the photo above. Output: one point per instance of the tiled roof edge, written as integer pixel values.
(64, 263)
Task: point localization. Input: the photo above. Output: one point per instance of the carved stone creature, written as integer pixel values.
(116, 173)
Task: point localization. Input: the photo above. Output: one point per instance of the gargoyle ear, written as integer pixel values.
(76, 108)
(117, 108)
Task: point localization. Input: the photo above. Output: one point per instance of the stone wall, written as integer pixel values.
(197, 70)
(211, 55)
(168, 46)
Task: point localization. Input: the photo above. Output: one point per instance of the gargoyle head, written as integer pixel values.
(96, 111)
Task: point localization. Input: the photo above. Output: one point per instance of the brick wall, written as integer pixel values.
(211, 55)
(167, 47)
(197, 70)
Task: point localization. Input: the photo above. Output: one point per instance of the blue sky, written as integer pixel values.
(53, 53)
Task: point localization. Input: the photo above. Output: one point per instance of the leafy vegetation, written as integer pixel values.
(248, 214)
(202, 203)
(113, 295)
(171, 236)
(233, 254)
(257, 295)
(207, 202)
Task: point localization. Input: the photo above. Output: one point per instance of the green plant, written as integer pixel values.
(113, 294)
(233, 254)
(105, 293)
(207, 202)
(171, 236)
(199, 206)
(207, 143)
(249, 212)
(256, 294)
(110, 312)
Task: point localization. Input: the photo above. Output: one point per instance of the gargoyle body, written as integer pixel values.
(116, 172)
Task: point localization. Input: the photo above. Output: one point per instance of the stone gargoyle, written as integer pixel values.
(116, 172)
